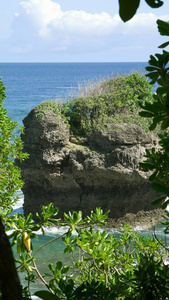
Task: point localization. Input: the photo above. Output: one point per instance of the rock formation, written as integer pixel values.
(101, 169)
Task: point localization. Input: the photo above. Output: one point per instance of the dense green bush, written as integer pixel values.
(115, 100)
(10, 149)
(103, 266)
(157, 160)
(10, 182)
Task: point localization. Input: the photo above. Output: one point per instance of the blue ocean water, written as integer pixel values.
(28, 84)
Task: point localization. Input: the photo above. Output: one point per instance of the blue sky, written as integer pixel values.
(77, 31)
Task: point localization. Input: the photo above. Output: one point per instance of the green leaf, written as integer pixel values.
(29, 220)
(158, 201)
(158, 187)
(51, 267)
(128, 9)
(163, 27)
(151, 69)
(66, 287)
(59, 265)
(65, 269)
(153, 176)
(45, 295)
(154, 3)
(162, 90)
(152, 61)
(152, 126)
(146, 166)
(165, 204)
(163, 45)
(146, 114)
(165, 124)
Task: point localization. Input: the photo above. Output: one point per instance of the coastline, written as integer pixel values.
(139, 221)
(142, 220)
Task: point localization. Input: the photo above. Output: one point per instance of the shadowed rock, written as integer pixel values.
(101, 169)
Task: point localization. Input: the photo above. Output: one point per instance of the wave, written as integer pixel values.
(58, 230)
(18, 207)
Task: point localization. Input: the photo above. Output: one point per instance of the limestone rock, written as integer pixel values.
(101, 171)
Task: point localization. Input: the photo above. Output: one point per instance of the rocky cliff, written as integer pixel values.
(101, 169)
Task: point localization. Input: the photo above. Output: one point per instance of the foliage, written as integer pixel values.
(10, 150)
(128, 8)
(106, 267)
(115, 100)
(158, 112)
(109, 101)
(50, 106)
(10, 180)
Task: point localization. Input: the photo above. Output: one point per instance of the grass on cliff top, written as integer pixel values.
(114, 100)
(46, 106)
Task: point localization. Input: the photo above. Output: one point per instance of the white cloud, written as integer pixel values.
(41, 11)
(49, 21)
(80, 22)
(48, 18)
(141, 23)
(41, 26)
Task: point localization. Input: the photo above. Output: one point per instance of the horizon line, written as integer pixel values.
(69, 62)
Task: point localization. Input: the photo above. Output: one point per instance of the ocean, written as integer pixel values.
(28, 84)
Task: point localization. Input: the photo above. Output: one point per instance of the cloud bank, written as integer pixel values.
(42, 29)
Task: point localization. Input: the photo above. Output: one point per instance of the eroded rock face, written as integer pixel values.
(100, 170)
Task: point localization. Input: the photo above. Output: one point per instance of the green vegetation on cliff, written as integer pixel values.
(115, 100)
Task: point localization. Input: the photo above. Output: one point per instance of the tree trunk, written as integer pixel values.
(9, 282)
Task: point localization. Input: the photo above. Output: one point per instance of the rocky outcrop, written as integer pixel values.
(101, 169)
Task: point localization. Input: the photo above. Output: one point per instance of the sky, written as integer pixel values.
(77, 31)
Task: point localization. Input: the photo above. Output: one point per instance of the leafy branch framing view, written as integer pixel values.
(128, 8)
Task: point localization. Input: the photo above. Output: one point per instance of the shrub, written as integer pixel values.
(10, 182)
(115, 100)
(10, 149)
